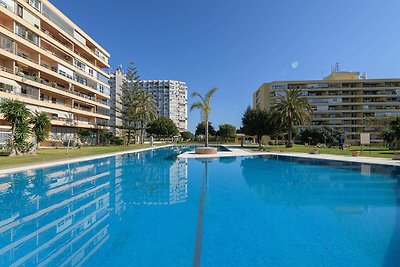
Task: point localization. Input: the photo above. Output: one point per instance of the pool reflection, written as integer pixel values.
(305, 182)
(63, 215)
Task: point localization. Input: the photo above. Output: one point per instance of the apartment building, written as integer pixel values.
(53, 66)
(342, 100)
(117, 78)
(171, 98)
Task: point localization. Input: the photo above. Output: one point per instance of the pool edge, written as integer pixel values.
(74, 160)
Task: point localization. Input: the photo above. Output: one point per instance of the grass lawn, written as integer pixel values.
(49, 155)
(378, 152)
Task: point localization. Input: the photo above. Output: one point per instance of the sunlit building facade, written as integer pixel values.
(53, 66)
(117, 79)
(171, 99)
(342, 100)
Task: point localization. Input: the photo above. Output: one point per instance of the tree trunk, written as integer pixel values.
(128, 138)
(13, 149)
(259, 137)
(142, 133)
(289, 143)
(98, 137)
(207, 132)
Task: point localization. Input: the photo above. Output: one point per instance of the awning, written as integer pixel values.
(9, 82)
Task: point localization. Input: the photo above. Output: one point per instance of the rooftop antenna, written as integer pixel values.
(322, 74)
(336, 67)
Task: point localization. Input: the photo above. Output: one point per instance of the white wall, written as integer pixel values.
(66, 70)
(79, 37)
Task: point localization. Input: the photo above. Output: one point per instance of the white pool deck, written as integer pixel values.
(238, 152)
(234, 152)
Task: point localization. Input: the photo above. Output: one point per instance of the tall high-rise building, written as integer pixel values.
(342, 100)
(49, 63)
(171, 98)
(117, 78)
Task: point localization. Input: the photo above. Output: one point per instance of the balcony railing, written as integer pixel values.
(51, 84)
(3, 4)
(6, 70)
(55, 39)
(25, 56)
(69, 48)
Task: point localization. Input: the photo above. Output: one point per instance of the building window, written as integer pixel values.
(35, 3)
(20, 11)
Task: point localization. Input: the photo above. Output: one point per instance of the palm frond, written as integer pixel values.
(197, 105)
(210, 94)
(196, 94)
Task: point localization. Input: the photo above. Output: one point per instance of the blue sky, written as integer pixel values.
(237, 45)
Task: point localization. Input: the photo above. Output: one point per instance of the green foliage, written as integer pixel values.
(118, 141)
(86, 136)
(290, 110)
(391, 134)
(256, 122)
(41, 124)
(204, 105)
(139, 108)
(227, 131)
(82, 133)
(328, 135)
(22, 133)
(187, 135)
(17, 114)
(388, 136)
(201, 129)
(105, 137)
(162, 127)
(14, 111)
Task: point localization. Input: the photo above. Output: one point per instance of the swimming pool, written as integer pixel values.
(152, 209)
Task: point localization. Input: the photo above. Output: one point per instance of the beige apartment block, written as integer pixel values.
(342, 100)
(49, 63)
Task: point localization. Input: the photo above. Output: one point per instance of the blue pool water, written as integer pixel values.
(152, 209)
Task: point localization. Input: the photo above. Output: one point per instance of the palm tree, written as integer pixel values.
(17, 114)
(292, 109)
(204, 105)
(41, 124)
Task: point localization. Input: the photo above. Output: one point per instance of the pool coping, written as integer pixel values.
(360, 160)
(242, 152)
(74, 160)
